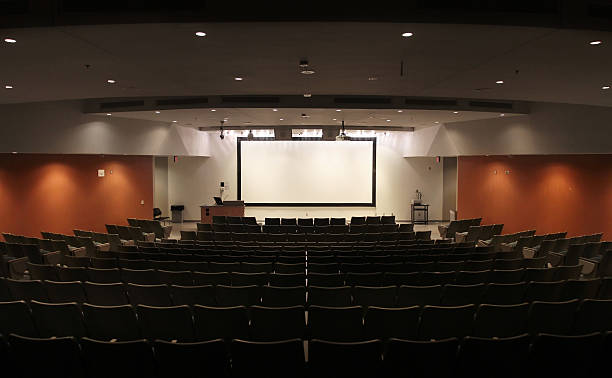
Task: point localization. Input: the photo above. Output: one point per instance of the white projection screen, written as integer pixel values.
(307, 173)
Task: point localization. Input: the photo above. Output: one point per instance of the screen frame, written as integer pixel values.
(372, 203)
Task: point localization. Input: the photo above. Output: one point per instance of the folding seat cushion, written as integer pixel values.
(342, 324)
(374, 296)
(460, 295)
(505, 294)
(58, 319)
(500, 320)
(221, 322)
(418, 295)
(574, 356)
(111, 322)
(15, 317)
(166, 323)
(127, 358)
(206, 358)
(439, 323)
(552, 317)
(40, 357)
(385, 323)
(329, 296)
(150, 295)
(345, 359)
(286, 296)
(593, 316)
(277, 323)
(204, 295)
(498, 357)
(112, 294)
(267, 359)
(405, 358)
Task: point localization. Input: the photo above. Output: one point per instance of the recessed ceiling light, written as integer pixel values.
(338, 110)
(238, 78)
(14, 152)
(307, 94)
(605, 87)
(407, 34)
(281, 119)
(274, 110)
(436, 122)
(8, 87)
(400, 111)
(388, 120)
(455, 112)
(200, 34)
(334, 119)
(157, 112)
(502, 115)
(10, 40)
(499, 82)
(109, 114)
(213, 110)
(594, 43)
(174, 121)
(111, 81)
(372, 78)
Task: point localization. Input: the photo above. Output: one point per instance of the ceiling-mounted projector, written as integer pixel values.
(342, 136)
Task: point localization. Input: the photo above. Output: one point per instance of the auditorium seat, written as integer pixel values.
(173, 323)
(286, 296)
(58, 319)
(539, 274)
(355, 221)
(325, 280)
(105, 359)
(103, 275)
(237, 295)
(140, 277)
(45, 357)
(437, 278)
(544, 291)
(205, 358)
(408, 358)
(384, 323)
(219, 278)
(582, 289)
(111, 322)
(552, 317)
(190, 295)
(248, 279)
(62, 292)
(344, 360)
(289, 268)
(460, 295)
(213, 323)
(329, 296)
(605, 290)
(397, 279)
(42, 272)
(150, 295)
(335, 323)
(287, 280)
(505, 293)
(374, 296)
(439, 323)
(215, 267)
(593, 316)
(277, 359)
(478, 265)
(277, 323)
(565, 356)
(111, 294)
(493, 357)
(184, 278)
(419, 295)
(337, 221)
(472, 277)
(364, 279)
(15, 317)
(500, 320)
(257, 268)
(564, 272)
(26, 290)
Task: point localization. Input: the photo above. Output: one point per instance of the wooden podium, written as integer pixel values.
(229, 208)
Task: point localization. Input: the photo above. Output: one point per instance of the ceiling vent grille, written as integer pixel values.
(430, 102)
(182, 101)
(362, 100)
(121, 104)
(250, 99)
(491, 104)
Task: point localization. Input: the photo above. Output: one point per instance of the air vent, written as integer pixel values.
(362, 100)
(430, 102)
(121, 104)
(250, 99)
(490, 104)
(182, 101)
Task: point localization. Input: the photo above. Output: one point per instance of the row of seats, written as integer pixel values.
(303, 234)
(221, 219)
(546, 355)
(344, 324)
(118, 293)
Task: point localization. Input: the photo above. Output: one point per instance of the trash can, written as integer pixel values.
(177, 213)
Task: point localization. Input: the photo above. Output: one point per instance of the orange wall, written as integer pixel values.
(548, 193)
(58, 193)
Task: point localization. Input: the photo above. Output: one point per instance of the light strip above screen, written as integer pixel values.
(308, 173)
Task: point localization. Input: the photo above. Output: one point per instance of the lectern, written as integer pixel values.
(229, 208)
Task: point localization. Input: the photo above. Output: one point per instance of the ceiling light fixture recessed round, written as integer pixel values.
(407, 34)
(111, 81)
(372, 78)
(281, 119)
(174, 121)
(388, 120)
(109, 114)
(157, 112)
(436, 121)
(334, 119)
(8, 87)
(338, 110)
(200, 34)
(605, 87)
(307, 95)
(499, 82)
(455, 112)
(238, 78)
(502, 115)
(400, 111)
(213, 110)
(10, 40)
(274, 110)
(595, 43)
